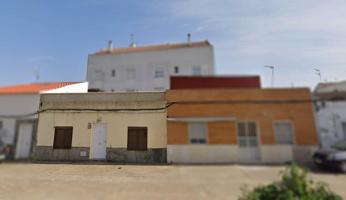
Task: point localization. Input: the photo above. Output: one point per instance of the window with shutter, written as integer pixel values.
(137, 138)
(176, 69)
(159, 73)
(283, 132)
(343, 124)
(198, 132)
(196, 70)
(63, 138)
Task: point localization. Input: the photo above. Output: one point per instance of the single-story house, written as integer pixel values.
(119, 127)
(240, 125)
(18, 113)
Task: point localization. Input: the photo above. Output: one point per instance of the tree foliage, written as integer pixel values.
(295, 184)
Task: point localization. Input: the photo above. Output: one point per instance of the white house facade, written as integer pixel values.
(18, 107)
(147, 68)
(331, 112)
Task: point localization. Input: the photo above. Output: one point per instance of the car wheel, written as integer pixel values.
(343, 167)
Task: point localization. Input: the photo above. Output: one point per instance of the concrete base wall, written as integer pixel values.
(269, 154)
(46, 153)
(202, 153)
(276, 154)
(124, 156)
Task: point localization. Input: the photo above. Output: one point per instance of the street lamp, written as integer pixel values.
(318, 73)
(272, 68)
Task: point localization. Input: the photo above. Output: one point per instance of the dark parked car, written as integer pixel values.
(332, 158)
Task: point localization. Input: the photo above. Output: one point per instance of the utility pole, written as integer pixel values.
(318, 73)
(272, 69)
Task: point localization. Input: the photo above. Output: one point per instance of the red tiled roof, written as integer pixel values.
(32, 88)
(153, 47)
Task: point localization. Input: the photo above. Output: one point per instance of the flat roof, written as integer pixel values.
(156, 47)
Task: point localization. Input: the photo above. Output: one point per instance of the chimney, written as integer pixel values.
(188, 38)
(110, 45)
(133, 43)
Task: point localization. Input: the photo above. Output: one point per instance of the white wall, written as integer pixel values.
(276, 153)
(269, 154)
(7, 132)
(329, 120)
(99, 74)
(16, 106)
(13, 107)
(74, 88)
(202, 153)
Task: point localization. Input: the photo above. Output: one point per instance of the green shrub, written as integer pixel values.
(295, 184)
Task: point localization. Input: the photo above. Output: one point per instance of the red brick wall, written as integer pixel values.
(204, 82)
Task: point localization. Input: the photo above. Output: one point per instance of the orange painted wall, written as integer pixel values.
(301, 114)
(222, 133)
(178, 133)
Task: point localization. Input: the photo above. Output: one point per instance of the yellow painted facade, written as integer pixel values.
(117, 124)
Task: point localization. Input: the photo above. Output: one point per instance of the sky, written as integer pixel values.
(296, 36)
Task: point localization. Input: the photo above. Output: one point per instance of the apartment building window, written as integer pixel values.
(283, 132)
(131, 74)
(198, 132)
(159, 73)
(343, 124)
(159, 88)
(63, 137)
(113, 73)
(137, 138)
(130, 90)
(196, 70)
(99, 75)
(176, 70)
(247, 134)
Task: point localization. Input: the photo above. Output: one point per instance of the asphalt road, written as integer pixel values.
(100, 181)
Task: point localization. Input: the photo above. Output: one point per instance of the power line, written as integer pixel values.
(169, 104)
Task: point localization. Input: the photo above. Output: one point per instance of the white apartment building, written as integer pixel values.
(331, 112)
(147, 68)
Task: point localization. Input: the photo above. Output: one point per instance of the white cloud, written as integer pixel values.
(295, 35)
